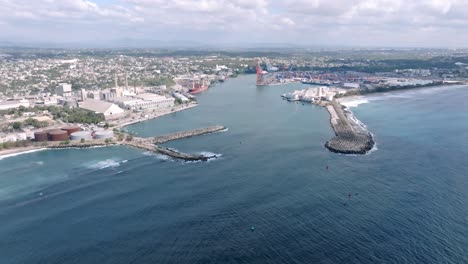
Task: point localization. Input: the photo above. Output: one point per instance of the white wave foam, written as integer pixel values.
(156, 155)
(40, 163)
(354, 102)
(407, 94)
(213, 156)
(108, 163)
(20, 153)
(374, 149)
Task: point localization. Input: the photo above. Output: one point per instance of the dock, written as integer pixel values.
(351, 136)
(150, 144)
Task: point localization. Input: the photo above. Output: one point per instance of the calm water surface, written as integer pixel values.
(408, 200)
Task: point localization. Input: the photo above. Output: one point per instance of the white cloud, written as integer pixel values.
(368, 22)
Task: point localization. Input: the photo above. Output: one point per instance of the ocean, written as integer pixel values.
(268, 198)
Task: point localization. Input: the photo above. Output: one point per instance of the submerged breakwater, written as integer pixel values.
(351, 137)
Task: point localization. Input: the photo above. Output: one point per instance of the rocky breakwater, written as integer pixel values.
(352, 136)
(151, 143)
(187, 134)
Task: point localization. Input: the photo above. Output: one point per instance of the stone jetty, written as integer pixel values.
(150, 144)
(351, 136)
(187, 134)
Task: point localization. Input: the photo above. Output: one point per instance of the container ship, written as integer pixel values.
(198, 87)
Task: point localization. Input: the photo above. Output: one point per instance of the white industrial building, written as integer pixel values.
(64, 90)
(181, 97)
(144, 101)
(109, 110)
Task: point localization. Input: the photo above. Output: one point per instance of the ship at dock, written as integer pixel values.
(198, 87)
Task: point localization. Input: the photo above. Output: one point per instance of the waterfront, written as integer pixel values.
(121, 205)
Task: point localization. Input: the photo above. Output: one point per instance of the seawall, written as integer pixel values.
(351, 136)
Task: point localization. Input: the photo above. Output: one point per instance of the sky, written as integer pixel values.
(360, 23)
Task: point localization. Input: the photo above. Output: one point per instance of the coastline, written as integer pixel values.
(12, 152)
(7, 153)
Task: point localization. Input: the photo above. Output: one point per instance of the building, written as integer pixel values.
(64, 90)
(144, 101)
(109, 110)
(180, 97)
(6, 105)
(83, 94)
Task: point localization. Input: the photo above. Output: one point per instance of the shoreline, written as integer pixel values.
(398, 91)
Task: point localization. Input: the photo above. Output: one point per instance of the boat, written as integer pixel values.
(198, 87)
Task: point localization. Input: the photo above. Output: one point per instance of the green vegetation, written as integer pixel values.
(66, 142)
(75, 115)
(108, 140)
(16, 125)
(82, 140)
(16, 144)
(69, 115)
(35, 123)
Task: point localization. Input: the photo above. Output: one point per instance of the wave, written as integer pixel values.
(214, 156)
(157, 155)
(20, 153)
(108, 163)
(354, 102)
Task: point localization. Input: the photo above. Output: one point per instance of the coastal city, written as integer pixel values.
(58, 97)
(233, 131)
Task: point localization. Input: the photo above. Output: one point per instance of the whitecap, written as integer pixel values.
(354, 102)
(108, 163)
(156, 155)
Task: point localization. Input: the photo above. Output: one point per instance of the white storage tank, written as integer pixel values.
(86, 135)
(105, 134)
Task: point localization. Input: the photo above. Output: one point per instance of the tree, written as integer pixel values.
(16, 125)
(82, 140)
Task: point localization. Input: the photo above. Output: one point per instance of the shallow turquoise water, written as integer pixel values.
(121, 205)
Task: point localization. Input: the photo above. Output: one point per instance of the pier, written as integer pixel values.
(150, 143)
(351, 137)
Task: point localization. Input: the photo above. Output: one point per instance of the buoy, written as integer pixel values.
(252, 228)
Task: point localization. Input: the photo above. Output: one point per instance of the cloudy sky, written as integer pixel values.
(396, 23)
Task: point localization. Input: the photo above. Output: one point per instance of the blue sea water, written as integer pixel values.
(404, 203)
